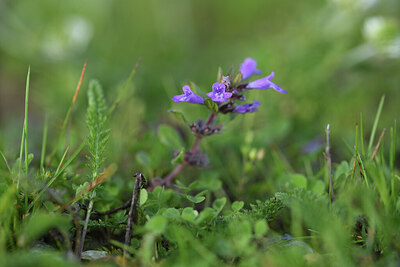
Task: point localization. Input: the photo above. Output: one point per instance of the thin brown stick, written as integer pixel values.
(132, 216)
(114, 210)
(378, 144)
(327, 155)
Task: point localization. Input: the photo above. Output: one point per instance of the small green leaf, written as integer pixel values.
(143, 158)
(211, 105)
(157, 224)
(169, 136)
(172, 213)
(237, 79)
(318, 187)
(179, 115)
(189, 214)
(49, 205)
(237, 205)
(219, 75)
(219, 204)
(195, 199)
(298, 181)
(180, 158)
(260, 228)
(143, 196)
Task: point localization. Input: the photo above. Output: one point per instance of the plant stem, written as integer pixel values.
(85, 227)
(180, 167)
(328, 159)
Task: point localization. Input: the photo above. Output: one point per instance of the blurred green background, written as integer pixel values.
(334, 57)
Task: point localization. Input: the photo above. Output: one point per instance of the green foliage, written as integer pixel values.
(96, 118)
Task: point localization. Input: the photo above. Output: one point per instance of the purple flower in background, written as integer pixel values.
(248, 68)
(265, 83)
(188, 96)
(218, 93)
(249, 107)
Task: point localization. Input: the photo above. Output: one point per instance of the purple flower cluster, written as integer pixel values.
(229, 90)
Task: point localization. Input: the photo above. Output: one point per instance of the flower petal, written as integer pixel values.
(248, 68)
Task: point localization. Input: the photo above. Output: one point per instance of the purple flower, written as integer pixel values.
(218, 93)
(249, 107)
(188, 96)
(265, 83)
(248, 68)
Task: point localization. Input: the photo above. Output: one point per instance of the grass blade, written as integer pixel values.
(378, 114)
(123, 91)
(44, 141)
(72, 158)
(362, 136)
(68, 115)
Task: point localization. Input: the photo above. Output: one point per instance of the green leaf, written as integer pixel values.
(318, 187)
(208, 181)
(195, 199)
(260, 228)
(189, 214)
(169, 137)
(144, 159)
(156, 224)
(180, 158)
(219, 204)
(211, 105)
(219, 75)
(237, 79)
(171, 213)
(237, 205)
(179, 115)
(38, 224)
(298, 181)
(143, 196)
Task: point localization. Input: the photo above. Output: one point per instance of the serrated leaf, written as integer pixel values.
(179, 115)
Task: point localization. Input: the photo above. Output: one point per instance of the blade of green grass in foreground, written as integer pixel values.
(362, 136)
(374, 127)
(24, 142)
(44, 141)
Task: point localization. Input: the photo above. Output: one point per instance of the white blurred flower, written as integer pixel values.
(384, 34)
(73, 37)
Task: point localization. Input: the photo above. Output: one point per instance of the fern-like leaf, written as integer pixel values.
(96, 119)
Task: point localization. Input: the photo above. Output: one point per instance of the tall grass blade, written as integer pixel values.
(123, 91)
(44, 142)
(68, 115)
(375, 126)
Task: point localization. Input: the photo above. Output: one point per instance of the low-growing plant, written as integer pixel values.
(345, 214)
